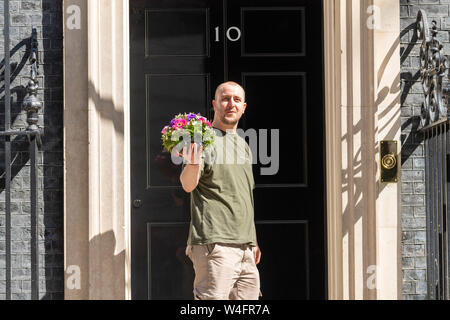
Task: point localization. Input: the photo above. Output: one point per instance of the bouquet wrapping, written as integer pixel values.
(185, 129)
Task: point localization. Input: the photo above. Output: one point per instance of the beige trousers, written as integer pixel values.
(224, 272)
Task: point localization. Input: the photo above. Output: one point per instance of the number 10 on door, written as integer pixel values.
(233, 34)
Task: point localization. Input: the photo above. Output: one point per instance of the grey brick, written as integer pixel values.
(420, 262)
(409, 199)
(414, 297)
(408, 287)
(421, 287)
(412, 175)
(419, 211)
(21, 296)
(420, 237)
(413, 250)
(419, 188)
(414, 275)
(408, 237)
(413, 223)
(408, 263)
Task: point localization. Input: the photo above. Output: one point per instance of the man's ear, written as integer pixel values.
(213, 110)
(245, 107)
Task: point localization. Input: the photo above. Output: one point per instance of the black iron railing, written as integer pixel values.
(31, 105)
(437, 179)
(434, 69)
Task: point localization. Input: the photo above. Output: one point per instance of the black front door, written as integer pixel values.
(180, 52)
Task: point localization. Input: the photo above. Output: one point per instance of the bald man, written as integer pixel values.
(222, 241)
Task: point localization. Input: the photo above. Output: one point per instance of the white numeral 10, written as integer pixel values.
(229, 34)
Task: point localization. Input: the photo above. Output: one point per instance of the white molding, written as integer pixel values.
(363, 215)
(333, 149)
(97, 85)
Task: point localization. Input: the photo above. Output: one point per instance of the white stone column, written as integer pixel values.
(103, 213)
(362, 77)
(388, 127)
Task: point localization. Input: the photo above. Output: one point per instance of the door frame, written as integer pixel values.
(97, 200)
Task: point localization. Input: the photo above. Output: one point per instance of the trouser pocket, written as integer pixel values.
(210, 248)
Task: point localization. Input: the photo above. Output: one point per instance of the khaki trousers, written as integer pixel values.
(224, 272)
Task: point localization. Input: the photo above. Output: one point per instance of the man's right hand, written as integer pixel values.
(193, 154)
(191, 173)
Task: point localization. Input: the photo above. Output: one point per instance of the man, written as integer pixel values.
(222, 238)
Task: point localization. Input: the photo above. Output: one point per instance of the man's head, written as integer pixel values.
(229, 103)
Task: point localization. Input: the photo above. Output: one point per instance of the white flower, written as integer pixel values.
(209, 135)
(176, 134)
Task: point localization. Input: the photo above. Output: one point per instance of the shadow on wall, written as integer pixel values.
(18, 117)
(111, 275)
(104, 271)
(414, 139)
(102, 282)
(359, 179)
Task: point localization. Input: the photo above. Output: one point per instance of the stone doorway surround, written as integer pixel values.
(362, 108)
(362, 93)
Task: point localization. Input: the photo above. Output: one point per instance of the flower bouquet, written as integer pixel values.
(186, 128)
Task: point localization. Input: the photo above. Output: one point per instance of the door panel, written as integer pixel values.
(177, 32)
(169, 267)
(284, 266)
(279, 62)
(267, 93)
(262, 27)
(180, 51)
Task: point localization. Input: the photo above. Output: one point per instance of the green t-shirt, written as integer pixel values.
(222, 207)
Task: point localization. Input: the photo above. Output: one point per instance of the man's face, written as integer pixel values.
(229, 104)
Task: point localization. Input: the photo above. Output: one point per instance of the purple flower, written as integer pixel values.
(191, 116)
(172, 122)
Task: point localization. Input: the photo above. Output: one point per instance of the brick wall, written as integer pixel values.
(46, 15)
(413, 163)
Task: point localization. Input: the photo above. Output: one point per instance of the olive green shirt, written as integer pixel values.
(222, 207)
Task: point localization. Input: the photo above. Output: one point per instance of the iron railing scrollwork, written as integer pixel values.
(31, 105)
(434, 67)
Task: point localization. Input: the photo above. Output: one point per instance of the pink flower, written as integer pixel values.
(164, 130)
(202, 119)
(179, 123)
(208, 123)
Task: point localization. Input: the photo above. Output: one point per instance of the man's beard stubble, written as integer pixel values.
(229, 122)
